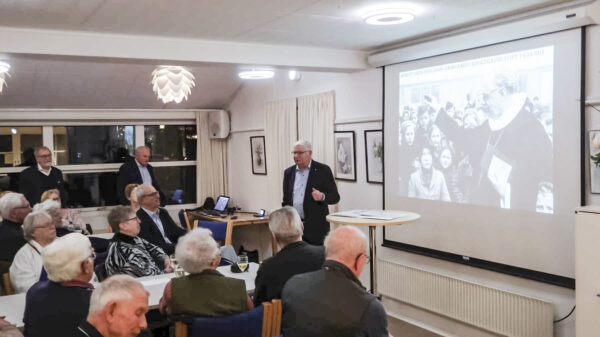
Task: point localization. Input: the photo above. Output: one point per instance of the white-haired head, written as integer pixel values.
(63, 257)
(346, 244)
(32, 220)
(304, 143)
(286, 225)
(10, 201)
(197, 250)
(115, 288)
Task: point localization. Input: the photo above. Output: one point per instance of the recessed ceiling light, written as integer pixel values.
(256, 74)
(388, 17)
(4, 67)
(294, 75)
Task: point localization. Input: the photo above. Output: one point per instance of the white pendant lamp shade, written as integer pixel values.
(172, 83)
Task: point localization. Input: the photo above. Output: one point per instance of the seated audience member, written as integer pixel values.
(117, 309)
(70, 217)
(53, 209)
(26, 268)
(130, 254)
(131, 197)
(58, 305)
(205, 291)
(295, 256)
(332, 301)
(157, 226)
(13, 209)
(7, 329)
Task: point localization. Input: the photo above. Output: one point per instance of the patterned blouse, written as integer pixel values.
(134, 256)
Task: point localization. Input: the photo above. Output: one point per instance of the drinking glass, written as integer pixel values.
(242, 262)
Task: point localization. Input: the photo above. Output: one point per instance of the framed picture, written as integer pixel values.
(594, 161)
(258, 155)
(345, 154)
(374, 156)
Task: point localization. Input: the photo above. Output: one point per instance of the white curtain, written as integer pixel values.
(280, 135)
(316, 117)
(212, 163)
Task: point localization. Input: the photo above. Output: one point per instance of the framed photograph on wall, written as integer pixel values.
(594, 161)
(374, 156)
(345, 155)
(258, 155)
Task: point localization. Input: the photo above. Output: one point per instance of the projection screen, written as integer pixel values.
(484, 144)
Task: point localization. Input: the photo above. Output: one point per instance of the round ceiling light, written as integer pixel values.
(388, 17)
(256, 74)
(4, 67)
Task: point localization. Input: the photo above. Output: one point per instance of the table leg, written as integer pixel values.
(373, 252)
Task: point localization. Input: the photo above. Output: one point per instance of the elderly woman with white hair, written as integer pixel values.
(70, 218)
(205, 291)
(26, 269)
(69, 262)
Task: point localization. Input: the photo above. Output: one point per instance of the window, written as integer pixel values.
(17, 145)
(93, 144)
(171, 142)
(91, 189)
(177, 183)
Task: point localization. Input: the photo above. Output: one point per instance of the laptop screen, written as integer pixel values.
(221, 203)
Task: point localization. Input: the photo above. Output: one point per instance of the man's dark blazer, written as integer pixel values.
(321, 178)
(32, 183)
(129, 173)
(151, 233)
(295, 258)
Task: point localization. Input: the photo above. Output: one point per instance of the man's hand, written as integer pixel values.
(168, 266)
(317, 195)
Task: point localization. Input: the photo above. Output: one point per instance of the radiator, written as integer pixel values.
(491, 309)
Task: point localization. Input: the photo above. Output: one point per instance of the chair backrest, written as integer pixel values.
(184, 220)
(8, 288)
(218, 229)
(249, 324)
(100, 270)
(276, 318)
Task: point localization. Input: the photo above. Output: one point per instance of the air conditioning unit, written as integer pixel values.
(218, 124)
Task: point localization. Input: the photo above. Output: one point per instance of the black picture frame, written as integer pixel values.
(375, 174)
(345, 159)
(259, 162)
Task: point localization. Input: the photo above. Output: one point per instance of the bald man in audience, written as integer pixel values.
(137, 171)
(117, 309)
(294, 257)
(332, 301)
(13, 209)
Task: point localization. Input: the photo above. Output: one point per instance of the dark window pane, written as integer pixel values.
(17, 145)
(91, 189)
(171, 142)
(93, 144)
(177, 183)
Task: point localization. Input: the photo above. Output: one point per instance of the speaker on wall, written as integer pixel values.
(218, 124)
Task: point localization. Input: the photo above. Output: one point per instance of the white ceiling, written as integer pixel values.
(335, 26)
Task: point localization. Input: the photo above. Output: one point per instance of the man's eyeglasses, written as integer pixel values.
(367, 258)
(153, 194)
(134, 218)
(44, 156)
(298, 152)
(26, 206)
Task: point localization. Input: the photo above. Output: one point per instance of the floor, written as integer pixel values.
(399, 328)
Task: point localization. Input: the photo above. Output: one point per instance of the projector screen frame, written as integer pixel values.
(558, 280)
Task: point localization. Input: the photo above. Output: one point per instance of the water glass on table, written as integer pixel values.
(242, 262)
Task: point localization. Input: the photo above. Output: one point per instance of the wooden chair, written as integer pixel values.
(8, 288)
(276, 318)
(185, 220)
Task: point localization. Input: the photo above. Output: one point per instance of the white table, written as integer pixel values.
(13, 306)
(106, 236)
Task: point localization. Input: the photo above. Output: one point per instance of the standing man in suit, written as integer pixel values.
(36, 179)
(157, 226)
(309, 187)
(137, 171)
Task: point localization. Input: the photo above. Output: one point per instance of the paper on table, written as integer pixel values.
(366, 214)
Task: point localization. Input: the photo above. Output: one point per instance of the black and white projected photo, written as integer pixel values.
(479, 131)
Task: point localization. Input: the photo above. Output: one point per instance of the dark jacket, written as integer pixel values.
(32, 183)
(151, 233)
(11, 239)
(43, 316)
(85, 329)
(331, 302)
(295, 258)
(129, 173)
(321, 178)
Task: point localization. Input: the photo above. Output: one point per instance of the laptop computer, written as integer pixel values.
(220, 205)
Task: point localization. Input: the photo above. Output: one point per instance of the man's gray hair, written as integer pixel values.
(117, 216)
(37, 150)
(140, 191)
(49, 206)
(341, 243)
(10, 201)
(31, 220)
(285, 223)
(62, 258)
(114, 288)
(196, 250)
(304, 143)
(143, 147)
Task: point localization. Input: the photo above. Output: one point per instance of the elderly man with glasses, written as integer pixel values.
(33, 181)
(26, 269)
(13, 209)
(157, 226)
(69, 262)
(130, 254)
(307, 298)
